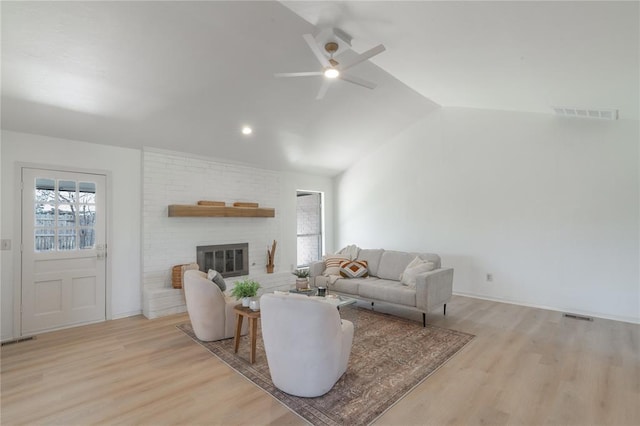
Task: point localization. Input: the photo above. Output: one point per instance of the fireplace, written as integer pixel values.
(231, 260)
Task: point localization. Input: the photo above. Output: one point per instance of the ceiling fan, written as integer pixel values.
(331, 68)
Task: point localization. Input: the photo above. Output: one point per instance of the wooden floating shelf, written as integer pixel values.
(188, 210)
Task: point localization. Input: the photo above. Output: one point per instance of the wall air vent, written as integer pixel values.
(578, 317)
(602, 114)
(18, 340)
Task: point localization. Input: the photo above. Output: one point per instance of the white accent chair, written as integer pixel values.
(306, 342)
(210, 310)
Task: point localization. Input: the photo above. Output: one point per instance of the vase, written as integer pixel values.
(270, 269)
(245, 301)
(254, 304)
(302, 283)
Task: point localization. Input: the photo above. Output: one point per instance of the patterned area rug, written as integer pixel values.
(389, 357)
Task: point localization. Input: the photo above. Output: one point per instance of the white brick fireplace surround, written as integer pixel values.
(173, 178)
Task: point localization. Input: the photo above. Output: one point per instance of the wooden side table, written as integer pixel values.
(253, 316)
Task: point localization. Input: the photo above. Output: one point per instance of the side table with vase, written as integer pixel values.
(252, 317)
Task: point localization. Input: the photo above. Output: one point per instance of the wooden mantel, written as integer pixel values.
(187, 210)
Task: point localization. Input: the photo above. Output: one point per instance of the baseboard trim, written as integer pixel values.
(631, 320)
(126, 314)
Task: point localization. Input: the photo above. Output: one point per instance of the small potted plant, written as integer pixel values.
(244, 290)
(302, 282)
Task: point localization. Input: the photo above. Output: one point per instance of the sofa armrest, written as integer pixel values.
(434, 288)
(315, 270)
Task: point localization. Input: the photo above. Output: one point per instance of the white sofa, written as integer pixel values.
(306, 343)
(210, 310)
(432, 289)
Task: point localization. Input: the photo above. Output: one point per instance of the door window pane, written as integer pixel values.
(87, 193)
(67, 191)
(66, 239)
(45, 215)
(45, 190)
(87, 215)
(66, 215)
(87, 238)
(45, 239)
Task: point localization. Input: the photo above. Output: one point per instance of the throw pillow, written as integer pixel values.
(413, 269)
(332, 264)
(415, 262)
(217, 278)
(354, 269)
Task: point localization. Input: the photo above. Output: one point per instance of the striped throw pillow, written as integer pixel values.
(332, 264)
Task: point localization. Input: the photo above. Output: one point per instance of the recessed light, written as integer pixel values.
(246, 130)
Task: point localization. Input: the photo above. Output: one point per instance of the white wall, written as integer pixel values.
(548, 205)
(176, 178)
(124, 167)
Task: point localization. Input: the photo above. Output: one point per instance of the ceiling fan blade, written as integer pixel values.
(316, 50)
(363, 57)
(298, 74)
(323, 89)
(357, 80)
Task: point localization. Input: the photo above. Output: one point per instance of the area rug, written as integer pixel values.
(390, 356)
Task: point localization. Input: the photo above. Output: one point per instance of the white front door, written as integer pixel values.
(63, 249)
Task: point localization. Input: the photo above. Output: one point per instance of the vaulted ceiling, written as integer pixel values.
(187, 75)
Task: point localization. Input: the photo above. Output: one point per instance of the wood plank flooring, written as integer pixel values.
(526, 366)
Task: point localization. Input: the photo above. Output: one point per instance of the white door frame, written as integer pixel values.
(17, 259)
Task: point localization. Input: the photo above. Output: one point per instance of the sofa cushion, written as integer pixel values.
(350, 285)
(372, 256)
(393, 264)
(332, 264)
(390, 291)
(417, 266)
(354, 269)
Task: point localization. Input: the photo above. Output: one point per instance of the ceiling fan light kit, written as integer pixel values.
(331, 73)
(331, 68)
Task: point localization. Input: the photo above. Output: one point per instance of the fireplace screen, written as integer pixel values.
(231, 260)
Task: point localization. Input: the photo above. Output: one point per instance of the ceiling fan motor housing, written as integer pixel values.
(331, 47)
(336, 36)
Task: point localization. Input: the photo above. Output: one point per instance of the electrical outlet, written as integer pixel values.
(5, 244)
(489, 277)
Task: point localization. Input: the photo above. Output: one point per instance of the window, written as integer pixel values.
(309, 219)
(65, 215)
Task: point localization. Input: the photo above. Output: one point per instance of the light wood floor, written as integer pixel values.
(526, 366)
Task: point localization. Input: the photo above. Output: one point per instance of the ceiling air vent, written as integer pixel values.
(603, 114)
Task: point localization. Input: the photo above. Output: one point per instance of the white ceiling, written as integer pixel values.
(187, 75)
